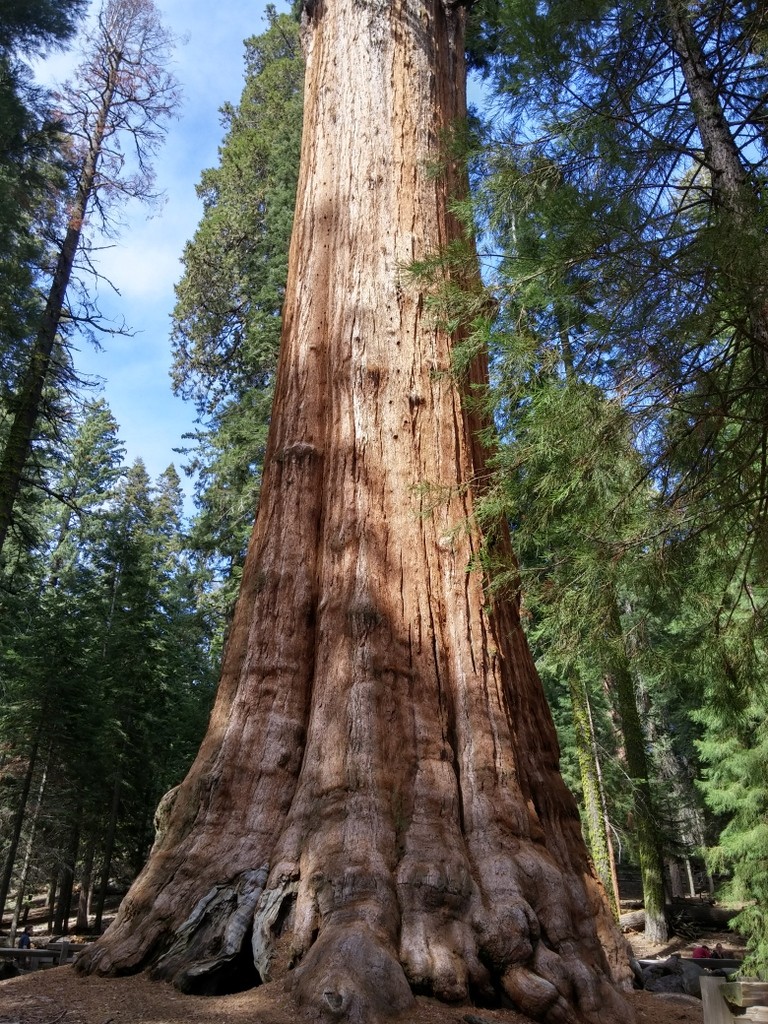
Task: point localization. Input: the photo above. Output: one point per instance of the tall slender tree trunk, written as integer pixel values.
(50, 903)
(24, 874)
(84, 897)
(646, 825)
(691, 882)
(729, 177)
(18, 818)
(67, 875)
(595, 803)
(598, 836)
(109, 849)
(734, 191)
(614, 875)
(377, 805)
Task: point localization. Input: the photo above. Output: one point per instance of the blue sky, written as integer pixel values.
(144, 261)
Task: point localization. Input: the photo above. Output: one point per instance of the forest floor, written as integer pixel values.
(60, 996)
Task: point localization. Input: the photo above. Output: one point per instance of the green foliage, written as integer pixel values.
(28, 141)
(569, 479)
(620, 192)
(603, 174)
(110, 598)
(721, 646)
(734, 748)
(30, 25)
(227, 316)
(29, 183)
(226, 330)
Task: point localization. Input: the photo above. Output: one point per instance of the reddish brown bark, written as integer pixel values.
(377, 803)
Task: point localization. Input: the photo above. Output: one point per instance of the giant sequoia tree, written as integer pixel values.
(377, 804)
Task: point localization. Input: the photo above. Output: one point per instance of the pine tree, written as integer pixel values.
(43, 717)
(31, 178)
(123, 95)
(625, 187)
(111, 599)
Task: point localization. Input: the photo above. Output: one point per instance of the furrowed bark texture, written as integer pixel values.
(377, 803)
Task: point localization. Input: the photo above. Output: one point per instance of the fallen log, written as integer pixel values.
(703, 914)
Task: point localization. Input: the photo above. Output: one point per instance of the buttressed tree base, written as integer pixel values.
(376, 808)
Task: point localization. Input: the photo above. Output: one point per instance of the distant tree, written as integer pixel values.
(45, 713)
(110, 596)
(113, 115)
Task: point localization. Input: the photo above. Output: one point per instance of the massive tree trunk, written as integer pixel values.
(377, 805)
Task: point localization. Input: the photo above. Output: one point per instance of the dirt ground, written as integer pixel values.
(60, 996)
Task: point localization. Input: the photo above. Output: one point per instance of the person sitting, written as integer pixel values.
(701, 952)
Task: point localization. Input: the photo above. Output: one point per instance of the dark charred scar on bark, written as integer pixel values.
(362, 617)
(311, 9)
(297, 452)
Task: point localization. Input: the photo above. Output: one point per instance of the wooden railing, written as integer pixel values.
(62, 952)
(727, 1002)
